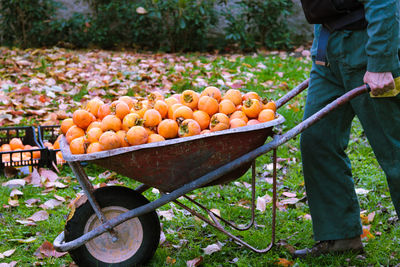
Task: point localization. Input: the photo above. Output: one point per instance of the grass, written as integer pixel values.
(186, 237)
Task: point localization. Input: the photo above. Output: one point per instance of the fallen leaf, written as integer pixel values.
(166, 214)
(26, 222)
(288, 194)
(14, 183)
(213, 248)
(55, 184)
(11, 264)
(13, 202)
(284, 262)
(59, 198)
(48, 175)
(26, 241)
(41, 215)
(7, 253)
(362, 191)
(36, 178)
(31, 201)
(170, 260)
(366, 235)
(195, 262)
(50, 204)
(289, 201)
(162, 238)
(47, 250)
(15, 192)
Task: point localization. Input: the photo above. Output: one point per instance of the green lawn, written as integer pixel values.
(271, 76)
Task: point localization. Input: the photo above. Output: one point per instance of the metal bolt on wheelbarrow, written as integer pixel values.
(117, 225)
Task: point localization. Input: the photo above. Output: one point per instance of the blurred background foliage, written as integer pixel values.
(155, 25)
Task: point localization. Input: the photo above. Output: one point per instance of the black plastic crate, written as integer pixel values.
(49, 133)
(20, 158)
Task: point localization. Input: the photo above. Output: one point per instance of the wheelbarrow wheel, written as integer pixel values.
(137, 238)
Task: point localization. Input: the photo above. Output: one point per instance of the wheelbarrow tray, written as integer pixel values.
(170, 164)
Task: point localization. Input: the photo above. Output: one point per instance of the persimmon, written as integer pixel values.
(270, 105)
(205, 131)
(155, 138)
(132, 119)
(220, 117)
(189, 127)
(189, 98)
(65, 125)
(128, 100)
(16, 143)
(208, 105)
(109, 140)
(202, 118)
(93, 148)
(177, 97)
(74, 132)
(235, 123)
(56, 144)
(212, 91)
(219, 122)
(251, 108)
(137, 135)
(226, 106)
(182, 113)
(233, 95)
(82, 118)
(140, 107)
(172, 109)
(151, 130)
(111, 122)
(251, 95)
(168, 128)
(93, 106)
(161, 107)
(154, 96)
(78, 146)
(59, 156)
(253, 122)
(266, 115)
(240, 115)
(170, 101)
(103, 111)
(121, 109)
(48, 144)
(26, 147)
(5, 147)
(94, 125)
(93, 134)
(122, 137)
(151, 118)
(5, 157)
(36, 154)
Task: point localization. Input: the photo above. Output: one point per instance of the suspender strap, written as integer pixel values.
(332, 26)
(322, 44)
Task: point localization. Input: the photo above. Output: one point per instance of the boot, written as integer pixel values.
(332, 246)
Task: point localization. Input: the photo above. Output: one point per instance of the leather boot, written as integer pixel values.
(332, 246)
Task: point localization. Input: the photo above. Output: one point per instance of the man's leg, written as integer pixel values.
(380, 118)
(327, 171)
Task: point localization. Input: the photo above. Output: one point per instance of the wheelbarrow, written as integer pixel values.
(118, 225)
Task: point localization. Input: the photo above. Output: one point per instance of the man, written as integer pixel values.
(352, 56)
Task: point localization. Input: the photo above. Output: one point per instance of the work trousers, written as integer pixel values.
(329, 183)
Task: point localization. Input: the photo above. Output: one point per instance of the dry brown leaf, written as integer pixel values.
(11, 264)
(38, 216)
(59, 198)
(213, 248)
(284, 262)
(288, 194)
(47, 250)
(50, 204)
(166, 214)
(26, 241)
(36, 178)
(31, 201)
(48, 175)
(289, 201)
(13, 202)
(7, 253)
(15, 192)
(170, 260)
(26, 222)
(14, 183)
(195, 262)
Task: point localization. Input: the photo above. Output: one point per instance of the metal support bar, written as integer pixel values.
(88, 190)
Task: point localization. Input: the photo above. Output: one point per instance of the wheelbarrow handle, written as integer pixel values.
(319, 115)
(292, 93)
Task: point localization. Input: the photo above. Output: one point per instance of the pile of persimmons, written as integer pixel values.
(131, 121)
(16, 144)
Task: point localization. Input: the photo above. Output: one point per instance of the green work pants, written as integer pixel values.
(329, 184)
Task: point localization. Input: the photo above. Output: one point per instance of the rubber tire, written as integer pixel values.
(114, 196)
